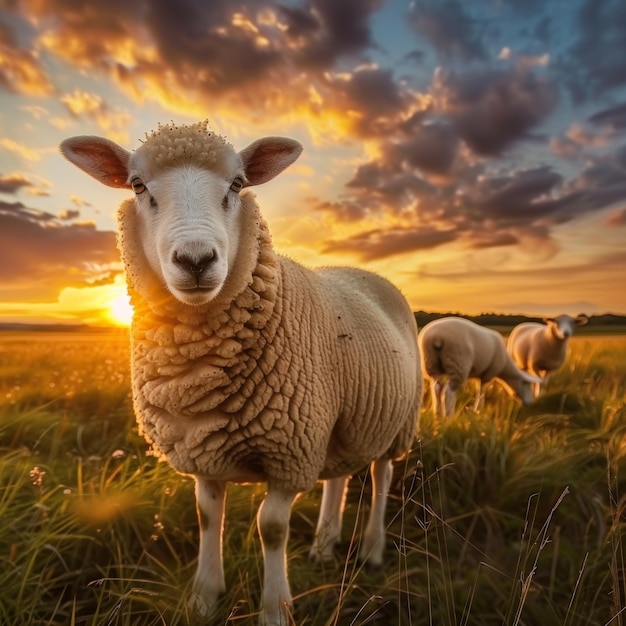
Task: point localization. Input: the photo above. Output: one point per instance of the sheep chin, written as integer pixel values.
(195, 297)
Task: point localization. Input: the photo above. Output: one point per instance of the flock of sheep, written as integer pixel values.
(248, 367)
(454, 350)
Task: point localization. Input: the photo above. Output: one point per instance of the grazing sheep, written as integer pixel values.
(454, 349)
(246, 366)
(541, 348)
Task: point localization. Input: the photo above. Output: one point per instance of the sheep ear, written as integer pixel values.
(547, 320)
(265, 158)
(99, 157)
(581, 320)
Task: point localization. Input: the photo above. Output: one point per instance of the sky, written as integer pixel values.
(471, 152)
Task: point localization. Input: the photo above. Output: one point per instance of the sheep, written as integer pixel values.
(541, 348)
(246, 366)
(454, 349)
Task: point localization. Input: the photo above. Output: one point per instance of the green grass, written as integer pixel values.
(509, 516)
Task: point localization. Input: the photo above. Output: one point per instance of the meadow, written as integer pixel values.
(508, 516)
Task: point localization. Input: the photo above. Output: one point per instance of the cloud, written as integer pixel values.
(430, 145)
(38, 254)
(265, 56)
(613, 117)
(492, 108)
(81, 103)
(617, 218)
(377, 244)
(21, 150)
(12, 183)
(79, 202)
(69, 214)
(482, 208)
(20, 70)
(580, 136)
(324, 31)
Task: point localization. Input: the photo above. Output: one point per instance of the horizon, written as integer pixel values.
(471, 154)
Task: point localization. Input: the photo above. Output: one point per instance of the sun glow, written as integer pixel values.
(120, 310)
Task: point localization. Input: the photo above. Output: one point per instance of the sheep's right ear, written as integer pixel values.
(265, 158)
(99, 157)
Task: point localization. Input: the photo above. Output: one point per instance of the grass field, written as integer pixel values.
(511, 516)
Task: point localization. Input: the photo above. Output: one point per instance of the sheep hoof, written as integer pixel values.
(324, 557)
(200, 606)
(279, 617)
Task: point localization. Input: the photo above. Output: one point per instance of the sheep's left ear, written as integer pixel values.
(99, 157)
(581, 320)
(265, 158)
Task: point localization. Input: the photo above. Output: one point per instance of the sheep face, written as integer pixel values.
(525, 391)
(188, 217)
(186, 182)
(563, 326)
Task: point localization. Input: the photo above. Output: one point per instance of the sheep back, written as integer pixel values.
(461, 349)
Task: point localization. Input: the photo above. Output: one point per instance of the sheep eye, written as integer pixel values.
(137, 185)
(237, 185)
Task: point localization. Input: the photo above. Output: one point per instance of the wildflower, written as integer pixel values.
(36, 475)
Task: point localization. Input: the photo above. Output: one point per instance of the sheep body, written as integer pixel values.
(542, 348)
(270, 372)
(245, 405)
(455, 349)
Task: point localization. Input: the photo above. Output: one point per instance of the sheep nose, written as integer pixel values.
(195, 265)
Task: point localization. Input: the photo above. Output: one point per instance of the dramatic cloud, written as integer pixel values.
(377, 244)
(177, 52)
(20, 70)
(38, 254)
(491, 109)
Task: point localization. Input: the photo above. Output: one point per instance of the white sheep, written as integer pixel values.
(246, 366)
(454, 349)
(542, 348)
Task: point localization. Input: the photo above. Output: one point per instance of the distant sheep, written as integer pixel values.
(542, 348)
(247, 367)
(454, 349)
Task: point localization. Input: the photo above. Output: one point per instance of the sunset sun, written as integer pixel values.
(121, 310)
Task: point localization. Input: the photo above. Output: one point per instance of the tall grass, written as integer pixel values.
(511, 516)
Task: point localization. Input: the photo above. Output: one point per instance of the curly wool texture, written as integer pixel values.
(287, 376)
(171, 145)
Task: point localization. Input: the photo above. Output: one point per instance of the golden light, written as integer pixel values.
(120, 310)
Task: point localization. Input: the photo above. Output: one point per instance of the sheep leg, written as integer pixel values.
(373, 542)
(436, 389)
(328, 531)
(273, 525)
(209, 582)
(449, 393)
(537, 386)
(481, 389)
